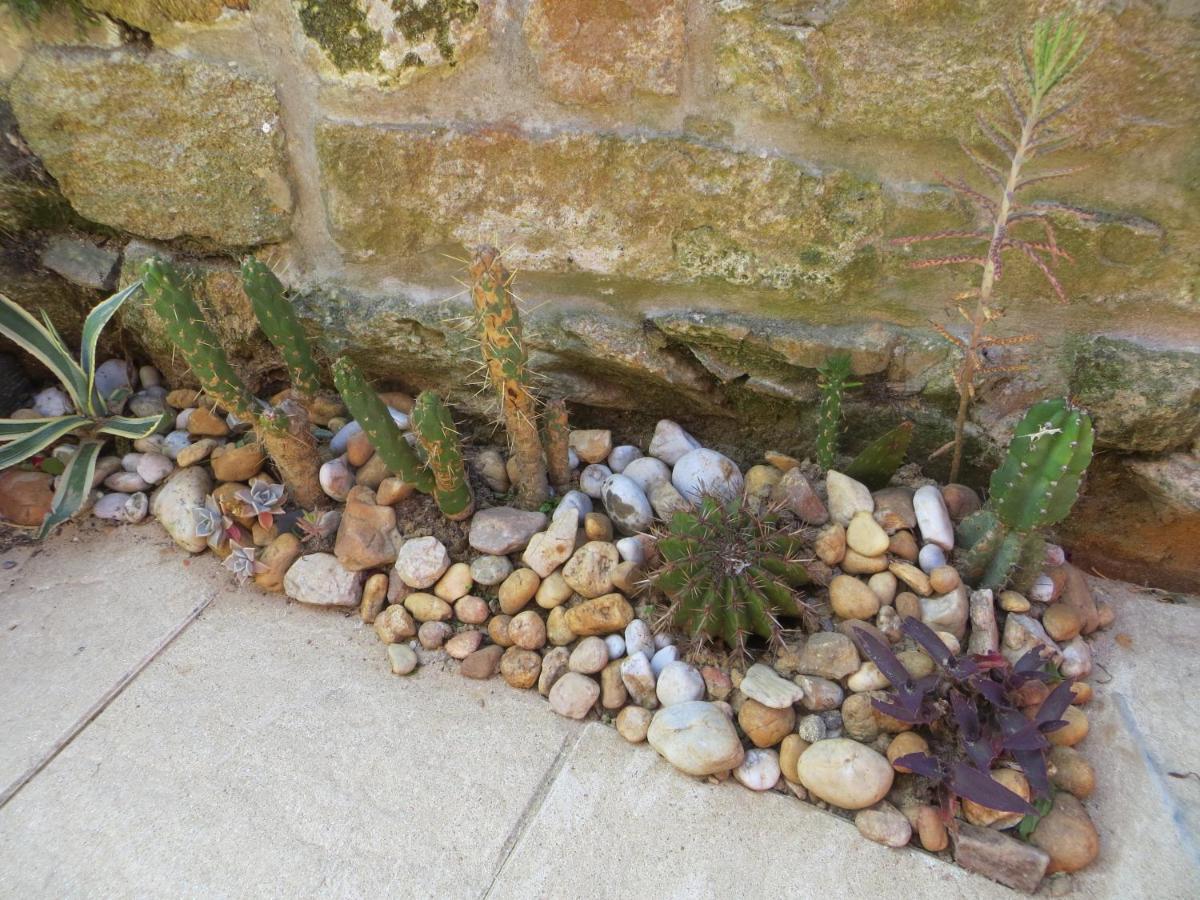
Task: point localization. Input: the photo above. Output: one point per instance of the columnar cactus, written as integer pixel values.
(556, 434)
(880, 459)
(386, 437)
(504, 357)
(729, 572)
(435, 430)
(833, 382)
(278, 320)
(1035, 487)
(282, 430)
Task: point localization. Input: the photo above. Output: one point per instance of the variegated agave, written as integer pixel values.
(241, 561)
(264, 499)
(92, 420)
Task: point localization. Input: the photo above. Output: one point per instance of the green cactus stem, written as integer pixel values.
(386, 437)
(278, 321)
(282, 430)
(730, 572)
(878, 462)
(504, 357)
(190, 332)
(435, 430)
(1035, 487)
(556, 433)
(834, 380)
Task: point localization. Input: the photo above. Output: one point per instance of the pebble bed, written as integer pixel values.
(559, 604)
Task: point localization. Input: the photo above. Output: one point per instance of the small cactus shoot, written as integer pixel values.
(278, 321)
(386, 437)
(834, 380)
(435, 430)
(504, 356)
(556, 433)
(881, 458)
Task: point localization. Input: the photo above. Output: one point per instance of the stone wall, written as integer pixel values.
(699, 195)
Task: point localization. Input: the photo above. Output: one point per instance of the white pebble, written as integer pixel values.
(572, 459)
(648, 473)
(632, 550)
(622, 456)
(671, 442)
(663, 640)
(930, 557)
(616, 646)
(1042, 590)
(933, 518)
(759, 771)
(579, 500)
(660, 659)
(639, 639)
(183, 417)
(591, 479)
(679, 682)
(52, 402)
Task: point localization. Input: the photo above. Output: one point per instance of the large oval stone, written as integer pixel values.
(845, 773)
(696, 737)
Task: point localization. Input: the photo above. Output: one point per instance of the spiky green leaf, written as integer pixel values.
(92, 326)
(26, 332)
(74, 485)
(45, 434)
(130, 427)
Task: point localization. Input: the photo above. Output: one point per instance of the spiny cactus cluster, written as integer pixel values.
(1035, 487)
(282, 430)
(435, 430)
(500, 340)
(834, 380)
(730, 572)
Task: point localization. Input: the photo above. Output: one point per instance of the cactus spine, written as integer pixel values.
(1035, 487)
(386, 437)
(504, 357)
(880, 459)
(834, 380)
(435, 430)
(278, 320)
(556, 433)
(282, 430)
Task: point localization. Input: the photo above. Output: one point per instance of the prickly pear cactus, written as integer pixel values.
(435, 430)
(556, 433)
(278, 321)
(386, 437)
(730, 572)
(193, 336)
(1035, 486)
(834, 380)
(880, 459)
(499, 327)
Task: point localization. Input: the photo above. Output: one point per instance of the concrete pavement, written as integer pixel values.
(208, 741)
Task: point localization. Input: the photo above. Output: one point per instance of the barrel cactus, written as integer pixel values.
(1035, 487)
(730, 572)
(436, 433)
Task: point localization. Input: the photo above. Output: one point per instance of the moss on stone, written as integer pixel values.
(341, 29)
(417, 19)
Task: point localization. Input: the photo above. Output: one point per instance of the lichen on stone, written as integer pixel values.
(341, 29)
(418, 18)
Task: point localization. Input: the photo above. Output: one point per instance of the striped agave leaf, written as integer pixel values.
(37, 435)
(74, 485)
(30, 335)
(129, 427)
(92, 326)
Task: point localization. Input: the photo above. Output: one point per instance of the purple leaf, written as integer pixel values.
(979, 787)
(927, 638)
(1049, 714)
(883, 657)
(1033, 764)
(921, 764)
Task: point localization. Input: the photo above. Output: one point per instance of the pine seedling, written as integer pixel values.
(1054, 53)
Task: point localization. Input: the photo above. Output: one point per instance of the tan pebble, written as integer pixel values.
(428, 608)
(627, 578)
(394, 624)
(781, 461)
(908, 605)
(393, 490)
(904, 545)
(1062, 622)
(903, 744)
(944, 579)
(205, 423)
(931, 829)
(520, 667)
(358, 449)
(917, 580)
(497, 628)
(471, 610)
(1106, 615)
(608, 614)
(183, 398)
(851, 598)
(553, 591)
(518, 589)
(433, 635)
(1082, 691)
(1073, 732)
(1011, 601)
(985, 817)
(854, 563)
(463, 644)
(1071, 771)
(558, 632)
(1067, 834)
(789, 754)
(884, 585)
(483, 663)
(633, 722)
(830, 545)
(597, 527)
(764, 725)
(917, 663)
(374, 596)
(455, 583)
(613, 693)
(865, 536)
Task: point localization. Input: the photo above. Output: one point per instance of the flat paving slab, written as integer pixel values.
(78, 617)
(268, 751)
